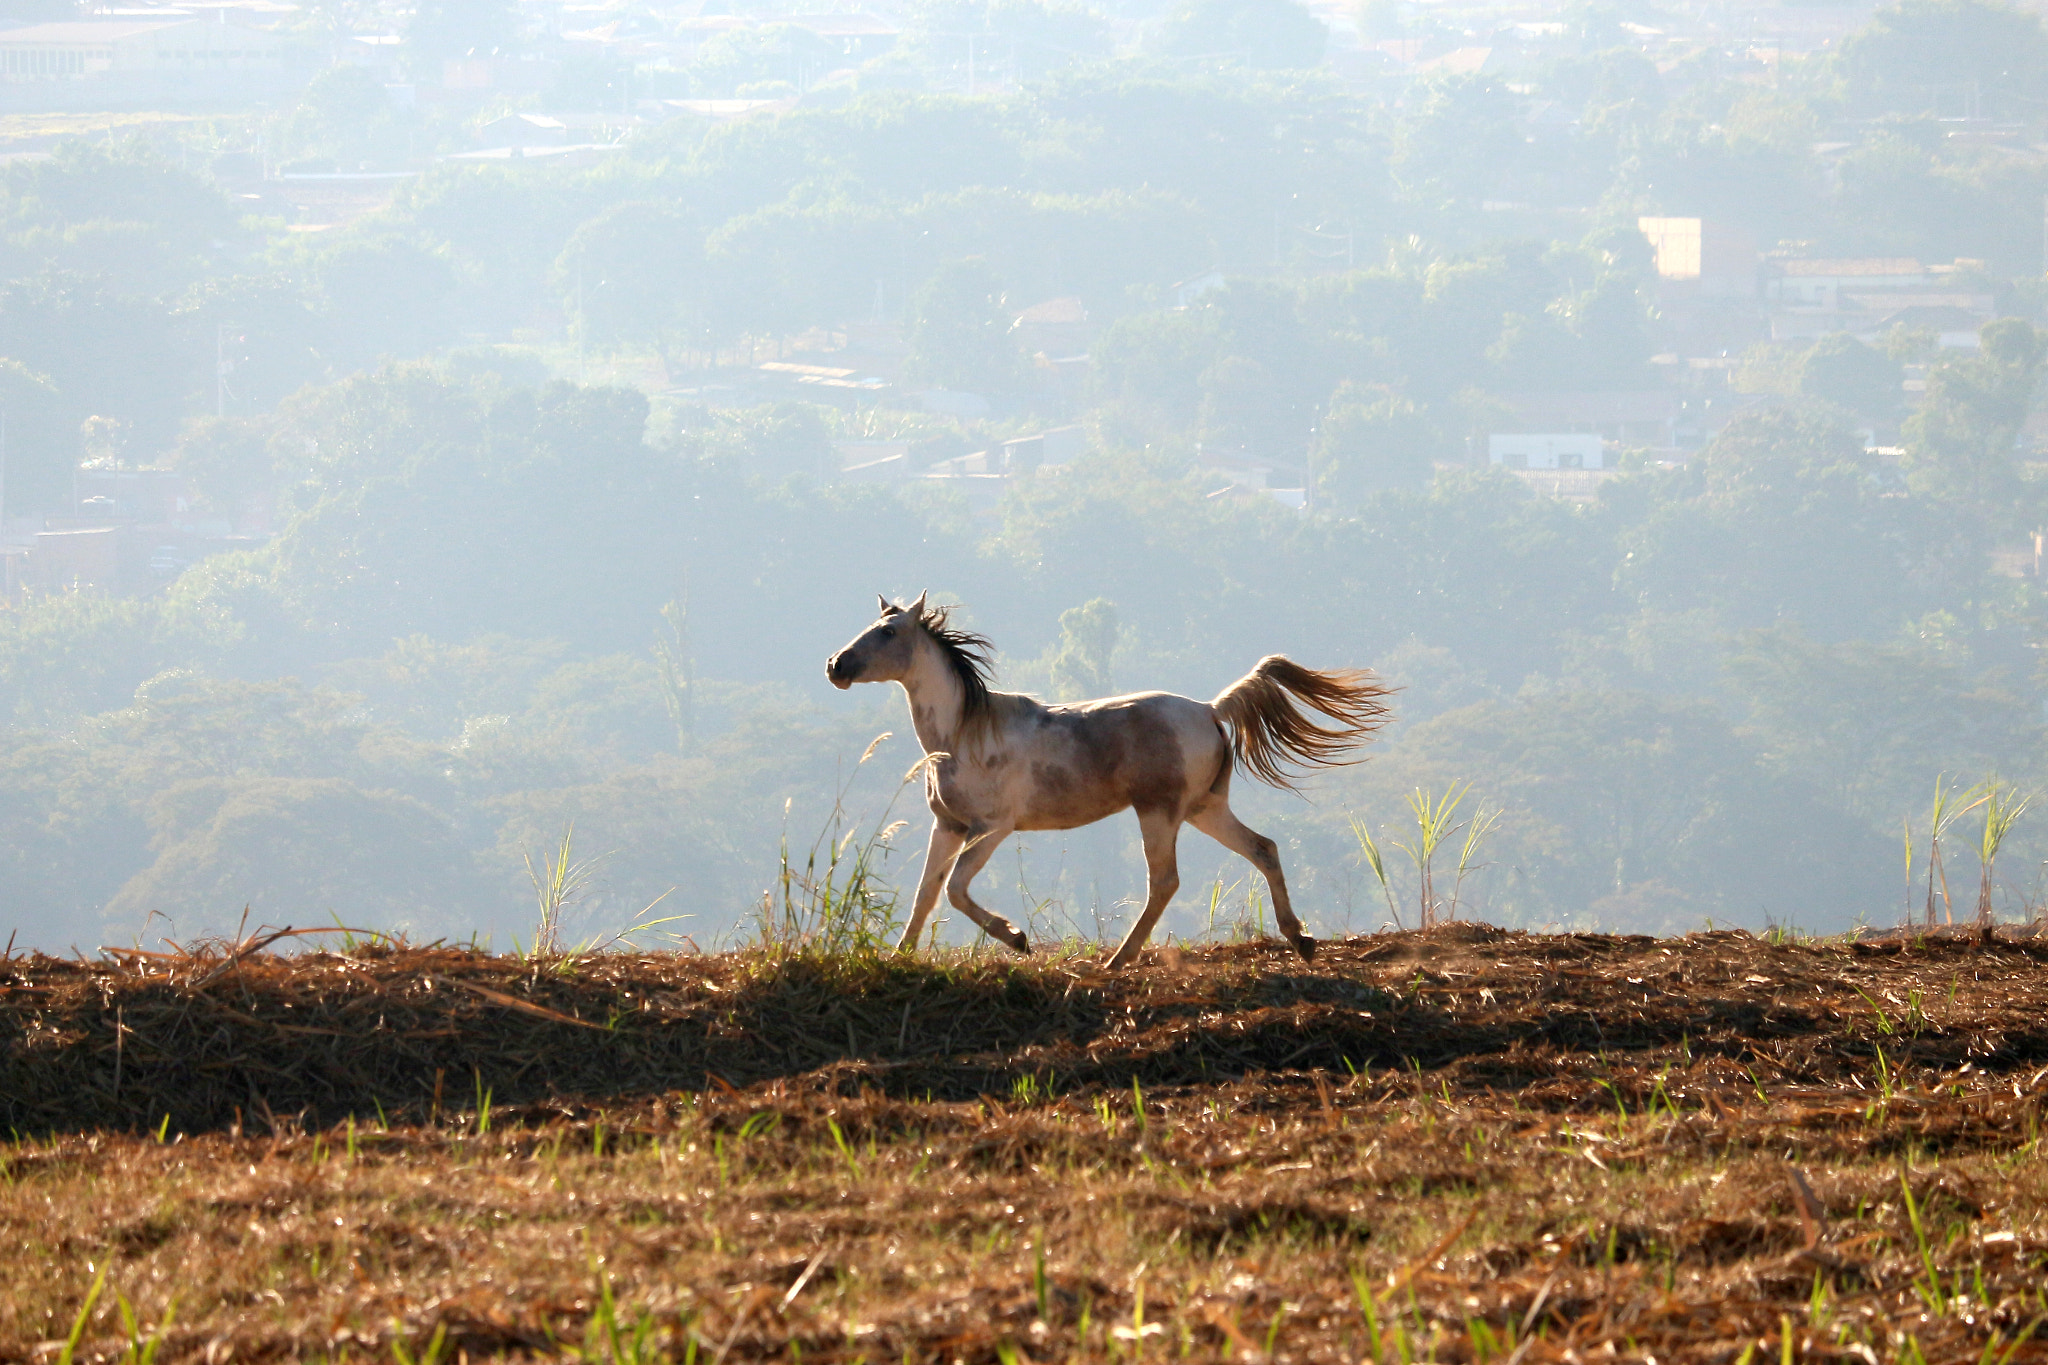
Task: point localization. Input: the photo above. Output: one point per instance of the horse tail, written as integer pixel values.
(1266, 730)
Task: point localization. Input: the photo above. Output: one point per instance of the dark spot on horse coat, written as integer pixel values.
(1157, 778)
(1102, 760)
(1056, 786)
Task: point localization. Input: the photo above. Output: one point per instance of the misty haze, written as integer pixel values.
(440, 447)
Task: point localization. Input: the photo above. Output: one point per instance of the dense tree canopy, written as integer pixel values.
(502, 526)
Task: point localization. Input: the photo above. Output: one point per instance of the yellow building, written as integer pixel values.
(1714, 259)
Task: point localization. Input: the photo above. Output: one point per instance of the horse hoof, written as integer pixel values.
(1021, 943)
(1306, 946)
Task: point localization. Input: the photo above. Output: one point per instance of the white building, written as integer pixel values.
(1556, 450)
(113, 47)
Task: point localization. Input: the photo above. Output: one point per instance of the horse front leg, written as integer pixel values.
(981, 846)
(939, 853)
(1161, 832)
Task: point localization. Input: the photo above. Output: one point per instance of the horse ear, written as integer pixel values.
(917, 608)
(888, 608)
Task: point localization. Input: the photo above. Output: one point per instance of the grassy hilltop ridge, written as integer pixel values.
(1461, 1145)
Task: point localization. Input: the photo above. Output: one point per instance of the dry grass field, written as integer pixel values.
(1467, 1145)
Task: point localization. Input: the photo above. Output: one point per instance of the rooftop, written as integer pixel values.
(1868, 265)
(89, 31)
(1053, 311)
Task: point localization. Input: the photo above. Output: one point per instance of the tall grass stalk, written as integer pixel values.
(1906, 826)
(1378, 863)
(69, 1350)
(1476, 830)
(1946, 811)
(560, 881)
(2003, 807)
(837, 901)
(1434, 816)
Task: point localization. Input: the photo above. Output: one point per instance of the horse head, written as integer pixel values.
(884, 651)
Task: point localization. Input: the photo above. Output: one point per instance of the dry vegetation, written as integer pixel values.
(1465, 1145)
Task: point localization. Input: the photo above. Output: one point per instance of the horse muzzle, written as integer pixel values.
(839, 672)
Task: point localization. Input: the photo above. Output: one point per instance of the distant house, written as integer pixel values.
(872, 461)
(1558, 450)
(523, 130)
(1187, 291)
(867, 461)
(1954, 328)
(110, 49)
(727, 111)
(377, 52)
(1459, 61)
(78, 557)
(857, 36)
(1650, 417)
(1049, 449)
(1867, 297)
(1820, 283)
(1056, 329)
(841, 384)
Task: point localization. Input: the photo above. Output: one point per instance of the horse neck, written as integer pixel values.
(938, 702)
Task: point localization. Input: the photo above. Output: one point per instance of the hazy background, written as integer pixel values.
(427, 429)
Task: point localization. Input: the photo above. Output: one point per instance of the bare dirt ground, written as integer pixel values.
(1465, 1145)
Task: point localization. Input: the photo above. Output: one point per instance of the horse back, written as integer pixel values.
(1073, 764)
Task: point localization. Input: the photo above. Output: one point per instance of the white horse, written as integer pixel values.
(1005, 762)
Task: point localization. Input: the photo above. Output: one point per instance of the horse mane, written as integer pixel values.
(967, 654)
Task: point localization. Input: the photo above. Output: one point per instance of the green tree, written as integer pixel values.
(1148, 366)
(225, 460)
(1458, 140)
(122, 212)
(343, 115)
(1792, 519)
(1369, 442)
(1613, 798)
(1960, 442)
(1081, 660)
(385, 296)
(295, 850)
(960, 334)
(782, 57)
(262, 330)
(1843, 370)
(1262, 33)
(40, 447)
(635, 275)
(105, 354)
(1870, 725)
(436, 689)
(775, 441)
(1946, 57)
(1245, 411)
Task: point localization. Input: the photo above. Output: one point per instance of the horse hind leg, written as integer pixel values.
(981, 846)
(1161, 831)
(1215, 819)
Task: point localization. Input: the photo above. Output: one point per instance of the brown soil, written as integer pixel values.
(1464, 1145)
